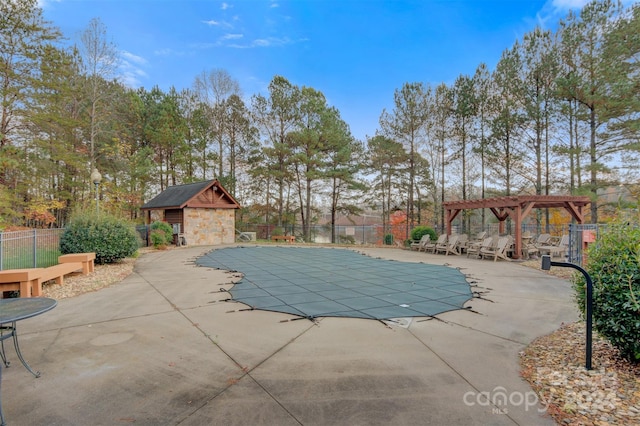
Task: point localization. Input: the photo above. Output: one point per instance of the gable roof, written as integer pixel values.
(206, 194)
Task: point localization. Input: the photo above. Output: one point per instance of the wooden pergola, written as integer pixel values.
(517, 207)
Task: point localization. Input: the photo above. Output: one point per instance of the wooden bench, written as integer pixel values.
(87, 260)
(287, 238)
(57, 272)
(27, 281)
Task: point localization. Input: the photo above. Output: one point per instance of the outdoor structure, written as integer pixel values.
(202, 213)
(517, 208)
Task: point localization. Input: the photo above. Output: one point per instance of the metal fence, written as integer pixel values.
(143, 232)
(345, 234)
(35, 248)
(39, 248)
(374, 233)
(580, 236)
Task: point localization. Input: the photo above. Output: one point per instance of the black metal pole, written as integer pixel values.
(547, 263)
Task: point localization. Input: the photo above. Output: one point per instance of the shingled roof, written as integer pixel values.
(197, 194)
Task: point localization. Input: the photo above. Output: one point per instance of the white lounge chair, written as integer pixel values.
(449, 246)
(559, 249)
(499, 251)
(420, 245)
(475, 248)
(432, 245)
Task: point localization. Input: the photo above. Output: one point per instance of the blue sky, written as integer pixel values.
(356, 52)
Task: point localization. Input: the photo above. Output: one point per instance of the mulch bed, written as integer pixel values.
(608, 394)
(554, 366)
(76, 283)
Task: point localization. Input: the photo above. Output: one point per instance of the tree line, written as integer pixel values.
(560, 113)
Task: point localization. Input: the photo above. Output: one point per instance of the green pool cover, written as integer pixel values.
(326, 282)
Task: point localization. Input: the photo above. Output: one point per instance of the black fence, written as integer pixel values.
(580, 236)
(143, 232)
(37, 248)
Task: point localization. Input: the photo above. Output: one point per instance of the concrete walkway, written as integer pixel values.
(163, 348)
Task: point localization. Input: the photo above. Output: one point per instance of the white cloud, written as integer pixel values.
(44, 4)
(274, 5)
(554, 10)
(130, 57)
(214, 23)
(131, 74)
(231, 36)
(262, 42)
(131, 79)
(568, 4)
(225, 6)
(270, 41)
(164, 52)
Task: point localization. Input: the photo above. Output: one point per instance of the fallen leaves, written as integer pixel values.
(609, 393)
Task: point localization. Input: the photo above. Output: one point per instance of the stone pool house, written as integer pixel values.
(201, 213)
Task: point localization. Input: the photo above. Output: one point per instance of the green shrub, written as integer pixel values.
(614, 265)
(388, 239)
(346, 239)
(419, 231)
(161, 234)
(111, 238)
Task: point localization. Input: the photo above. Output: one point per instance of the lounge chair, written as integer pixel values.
(449, 246)
(431, 246)
(475, 241)
(475, 248)
(499, 251)
(543, 239)
(559, 249)
(420, 245)
(461, 245)
(528, 247)
(480, 236)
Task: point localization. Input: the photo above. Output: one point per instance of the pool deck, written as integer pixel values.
(162, 347)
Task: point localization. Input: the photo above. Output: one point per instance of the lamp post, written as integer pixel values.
(96, 178)
(547, 263)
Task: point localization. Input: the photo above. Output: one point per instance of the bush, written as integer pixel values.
(161, 234)
(388, 239)
(346, 239)
(419, 231)
(112, 239)
(614, 265)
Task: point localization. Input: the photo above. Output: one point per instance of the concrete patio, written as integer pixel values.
(163, 348)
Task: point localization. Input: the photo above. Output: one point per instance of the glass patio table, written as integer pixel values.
(12, 311)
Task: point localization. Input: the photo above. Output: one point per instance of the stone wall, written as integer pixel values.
(209, 226)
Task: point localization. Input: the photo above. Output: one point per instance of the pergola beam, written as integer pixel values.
(575, 210)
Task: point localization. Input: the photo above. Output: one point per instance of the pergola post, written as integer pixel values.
(517, 218)
(451, 215)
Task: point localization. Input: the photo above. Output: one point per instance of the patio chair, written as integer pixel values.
(461, 245)
(480, 236)
(449, 246)
(431, 246)
(477, 239)
(559, 249)
(500, 250)
(543, 239)
(420, 245)
(475, 248)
